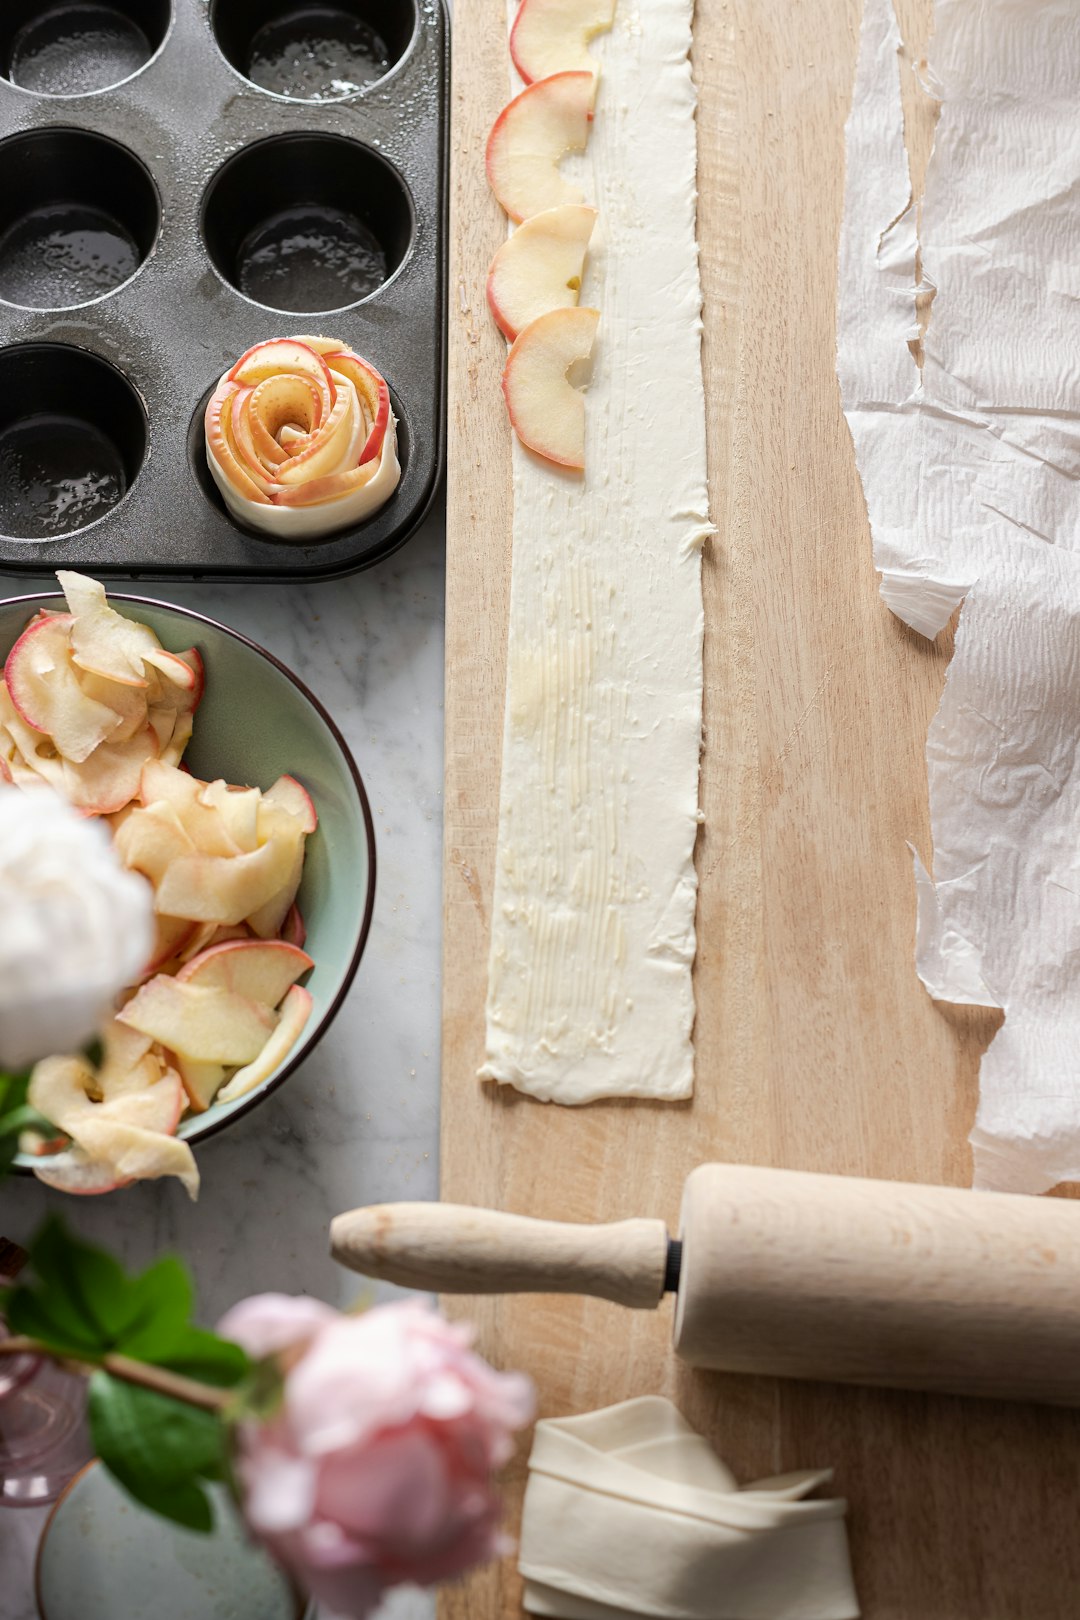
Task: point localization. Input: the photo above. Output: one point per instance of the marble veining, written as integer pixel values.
(358, 1123)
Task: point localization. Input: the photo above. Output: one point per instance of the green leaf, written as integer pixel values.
(50, 1321)
(162, 1298)
(158, 1448)
(84, 1283)
(202, 1355)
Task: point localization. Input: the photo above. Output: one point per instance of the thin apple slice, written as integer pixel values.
(77, 1173)
(173, 751)
(239, 811)
(150, 839)
(201, 1081)
(261, 970)
(295, 1011)
(205, 828)
(63, 1090)
(552, 36)
(546, 410)
(203, 1022)
(292, 796)
(266, 921)
(209, 888)
(109, 780)
(223, 454)
(102, 640)
(44, 687)
(372, 393)
(207, 934)
(156, 1107)
(112, 1153)
(173, 936)
(531, 134)
(60, 1089)
(539, 268)
(128, 702)
(287, 354)
(293, 929)
(177, 671)
(123, 1049)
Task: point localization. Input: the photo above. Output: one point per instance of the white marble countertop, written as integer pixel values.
(358, 1123)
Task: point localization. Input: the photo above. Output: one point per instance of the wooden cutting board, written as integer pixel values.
(816, 1046)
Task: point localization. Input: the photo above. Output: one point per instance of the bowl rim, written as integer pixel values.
(292, 1063)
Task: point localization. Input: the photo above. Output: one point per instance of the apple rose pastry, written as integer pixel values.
(300, 438)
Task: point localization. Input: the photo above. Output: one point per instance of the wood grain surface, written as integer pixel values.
(816, 1046)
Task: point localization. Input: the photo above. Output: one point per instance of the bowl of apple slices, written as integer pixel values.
(226, 784)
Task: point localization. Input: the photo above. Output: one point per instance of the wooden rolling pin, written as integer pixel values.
(794, 1275)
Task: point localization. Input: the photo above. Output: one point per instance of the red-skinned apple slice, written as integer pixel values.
(335, 486)
(373, 391)
(292, 796)
(323, 453)
(531, 134)
(76, 1173)
(102, 640)
(295, 1011)
(222, 448)
(539, 268)
(286, 355)
(203, 1022)
(207, 934)
(293, 929)
(260, 970)
(174, 668)
(113, 1154)
(552, 36)
(266, 921)
(44, 687)
(546, 410)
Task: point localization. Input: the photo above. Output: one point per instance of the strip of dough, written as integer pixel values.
(589, 991)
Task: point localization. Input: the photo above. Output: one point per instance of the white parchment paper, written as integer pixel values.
(971, 469)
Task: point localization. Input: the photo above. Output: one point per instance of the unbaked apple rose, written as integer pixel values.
(301, 439)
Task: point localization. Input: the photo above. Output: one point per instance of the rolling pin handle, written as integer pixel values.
(456, 1249)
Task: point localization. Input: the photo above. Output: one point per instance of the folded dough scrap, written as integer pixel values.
(630, 1512)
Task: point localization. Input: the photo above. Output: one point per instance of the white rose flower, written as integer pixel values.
(75, 927)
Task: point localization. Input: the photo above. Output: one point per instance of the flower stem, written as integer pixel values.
(160, 1379)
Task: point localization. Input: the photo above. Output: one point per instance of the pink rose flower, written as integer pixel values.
(378, 1467)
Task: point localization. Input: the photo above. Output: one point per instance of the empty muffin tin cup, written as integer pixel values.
(313, 52)
(72, 439)
(78, 47)
(78, 216)
(307, 224)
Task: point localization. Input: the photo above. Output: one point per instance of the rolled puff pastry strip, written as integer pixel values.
(629, 1512)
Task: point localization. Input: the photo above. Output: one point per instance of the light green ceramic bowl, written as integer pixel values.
(103, 1557)
(256, 722)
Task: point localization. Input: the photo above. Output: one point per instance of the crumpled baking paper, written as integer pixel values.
(971, 469)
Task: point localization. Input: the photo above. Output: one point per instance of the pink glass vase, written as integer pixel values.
(43, 1435)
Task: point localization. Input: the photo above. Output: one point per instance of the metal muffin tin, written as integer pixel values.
(196, 167)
